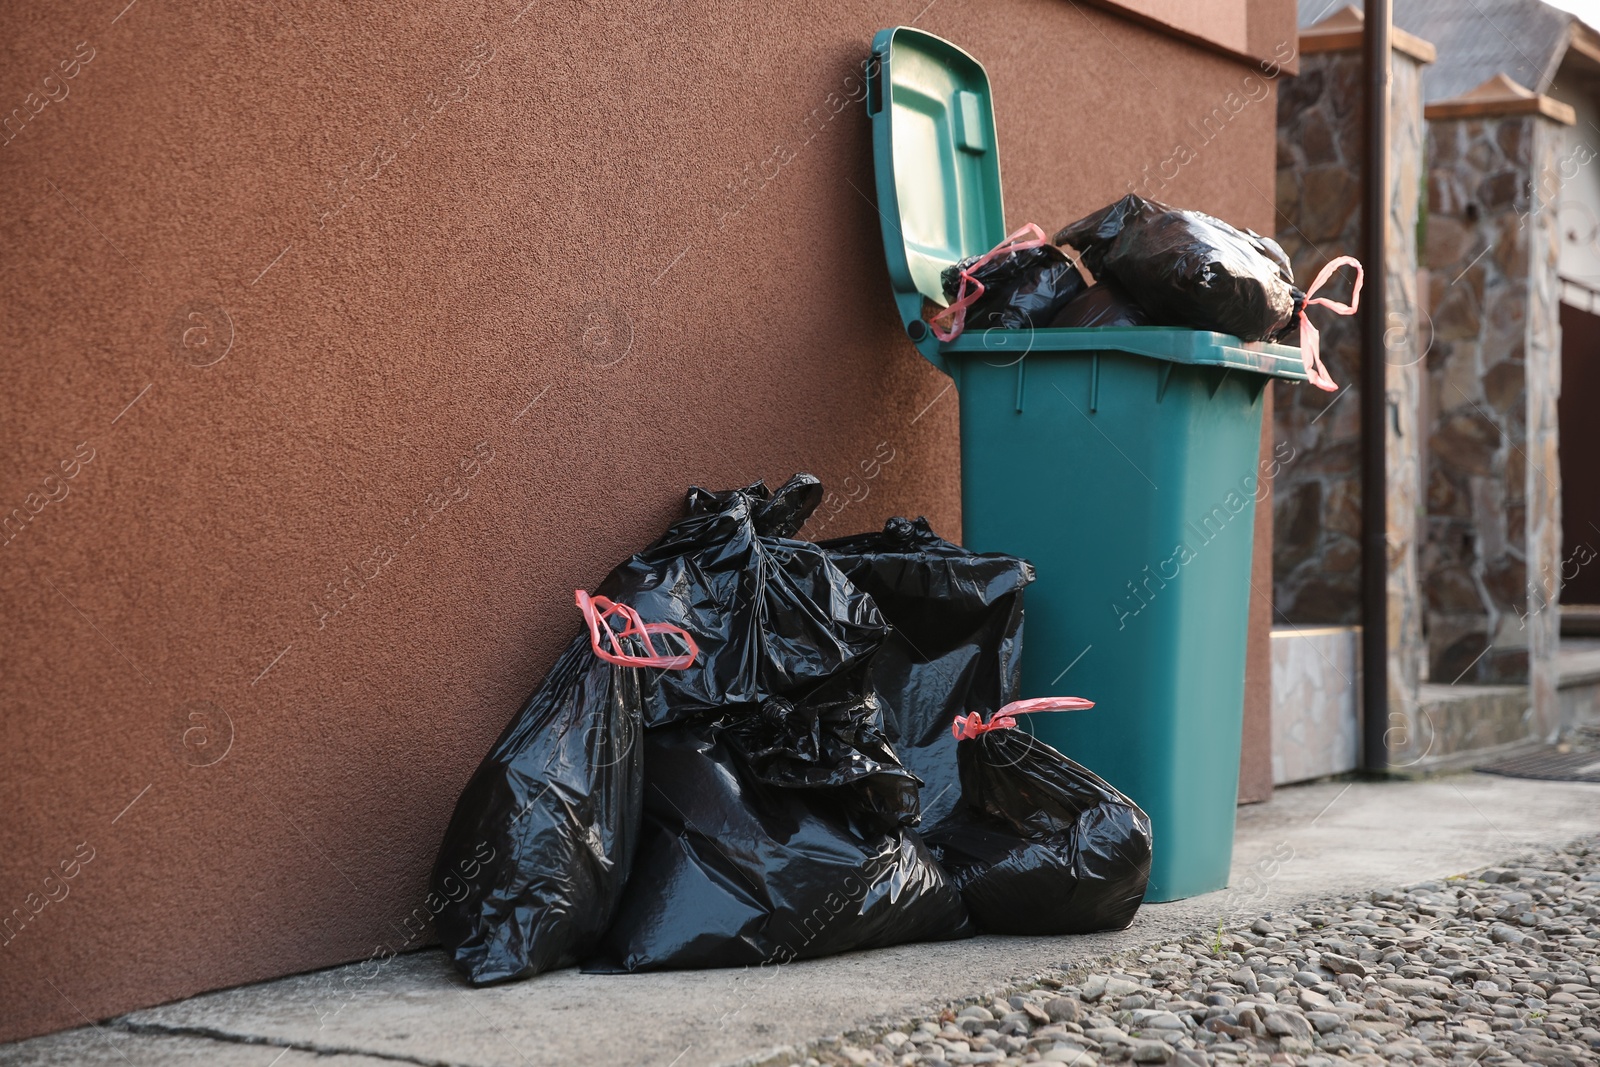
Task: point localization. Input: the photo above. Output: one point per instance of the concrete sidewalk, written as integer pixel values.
(1308, 842)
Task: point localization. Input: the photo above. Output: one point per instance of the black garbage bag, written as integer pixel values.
(1104, 304)
(1040, 845)
(776, 815)
(956, 646)
(772, 615)
(832, 738)
(1020, 290)
(539, 848)
(1021, 284)
(1189, 269)
(737, 868)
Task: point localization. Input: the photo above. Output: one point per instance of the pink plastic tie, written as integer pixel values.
(1310, 342)
(597, 611)
(948, 324)
(967, 727)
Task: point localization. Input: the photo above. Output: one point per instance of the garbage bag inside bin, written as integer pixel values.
(1019, 284)
(1021, 290)
(734, 869)
(956, 647)
(539, 847)
(773, 616)
(1187, 268)
(1103, 304)
(1040, 845)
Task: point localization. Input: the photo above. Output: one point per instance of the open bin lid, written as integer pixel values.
(937, 167)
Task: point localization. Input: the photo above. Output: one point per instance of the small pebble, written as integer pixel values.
(1152, 1052)
(1063, 1010)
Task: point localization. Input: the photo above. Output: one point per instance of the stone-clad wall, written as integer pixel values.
(1403, 450)
(1317, 497)
(1542, 616)
(1493, 536)
(1317, 554)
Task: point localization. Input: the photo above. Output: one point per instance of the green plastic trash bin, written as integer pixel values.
(1122, 461)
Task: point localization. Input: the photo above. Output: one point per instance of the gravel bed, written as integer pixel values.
(1497, 967)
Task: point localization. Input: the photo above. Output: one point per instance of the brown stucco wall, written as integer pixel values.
(599, 228)
(1255, 751)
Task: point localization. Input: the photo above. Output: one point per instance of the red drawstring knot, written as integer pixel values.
(967, 727)
(1310, 341)
(948, 324)
(598, 610)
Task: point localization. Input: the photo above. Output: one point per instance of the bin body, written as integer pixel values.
(1130, 484)
(1122, 461)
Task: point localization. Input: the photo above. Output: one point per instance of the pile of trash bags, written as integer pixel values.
(1139, 262)
(760, 749)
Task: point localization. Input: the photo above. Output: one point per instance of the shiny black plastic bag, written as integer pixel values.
(956, 646)
(773, 616)
(736, 868)
(1039, 844)
(776, 814)
(1022, 289)
(1102, 304)
(537, 853)
(832, 738)
(1186, 268)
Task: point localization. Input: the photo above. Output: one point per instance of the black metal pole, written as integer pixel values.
(1374, 401)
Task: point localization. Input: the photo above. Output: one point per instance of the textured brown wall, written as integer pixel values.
(1255, 753)
(606, 192)
(1225, 26)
